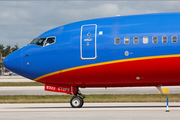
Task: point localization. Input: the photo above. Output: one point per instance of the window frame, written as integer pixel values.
(128, 40)
(47, 39)
(176, 39)
(153, 39)
(115, 40)
(33, 40)
(147, 39)
(43, 43)
(138, 40)
(166, 37)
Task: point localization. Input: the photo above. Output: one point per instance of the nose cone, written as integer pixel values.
(13, 62)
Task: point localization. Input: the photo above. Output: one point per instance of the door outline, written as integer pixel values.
(90, 58)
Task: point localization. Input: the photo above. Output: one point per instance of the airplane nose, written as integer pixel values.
(13, 62)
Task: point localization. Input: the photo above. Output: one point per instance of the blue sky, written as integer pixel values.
(21, 21)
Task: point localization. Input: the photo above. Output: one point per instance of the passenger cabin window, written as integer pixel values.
(43, 41)
(155, 39)
(164, 39)
(126, 40)
(174, 39)
(117, 40)
(136, 40)
(145, 40)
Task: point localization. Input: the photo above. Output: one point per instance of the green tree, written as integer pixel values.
(1, 52)
(6, 51)
(1, 48)
(14, 48)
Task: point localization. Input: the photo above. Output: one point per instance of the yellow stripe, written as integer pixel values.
(165, 90)
(104, 63)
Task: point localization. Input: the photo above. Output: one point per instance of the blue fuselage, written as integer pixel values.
(93, 41)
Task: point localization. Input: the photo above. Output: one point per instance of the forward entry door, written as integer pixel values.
(88, 41)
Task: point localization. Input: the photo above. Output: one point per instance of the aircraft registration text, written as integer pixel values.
(62, 89)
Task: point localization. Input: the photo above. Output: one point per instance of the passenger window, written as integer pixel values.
(155, 39)
(145, 40)
(174, 39)
(126, 40)
(41, 41)
(50, 41)
(136, 40)
(117, 40)
(164, 39)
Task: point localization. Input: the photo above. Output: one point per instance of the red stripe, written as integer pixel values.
(152, 72)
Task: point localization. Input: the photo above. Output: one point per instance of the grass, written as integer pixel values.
(5, 84)
(90, 98)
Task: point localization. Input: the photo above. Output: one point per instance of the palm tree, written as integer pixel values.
(14, 48)
(6, 51)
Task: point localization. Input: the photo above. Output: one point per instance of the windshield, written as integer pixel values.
(34, 41)
(43, 41)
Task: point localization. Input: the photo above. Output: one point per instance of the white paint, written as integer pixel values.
(81, 42)
(88, 39)
(145, 40)
(126, 53)
(137, 78)
(100, 32)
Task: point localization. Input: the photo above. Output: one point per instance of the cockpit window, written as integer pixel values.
(43, 41)
(50, 41)
(34, 41)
